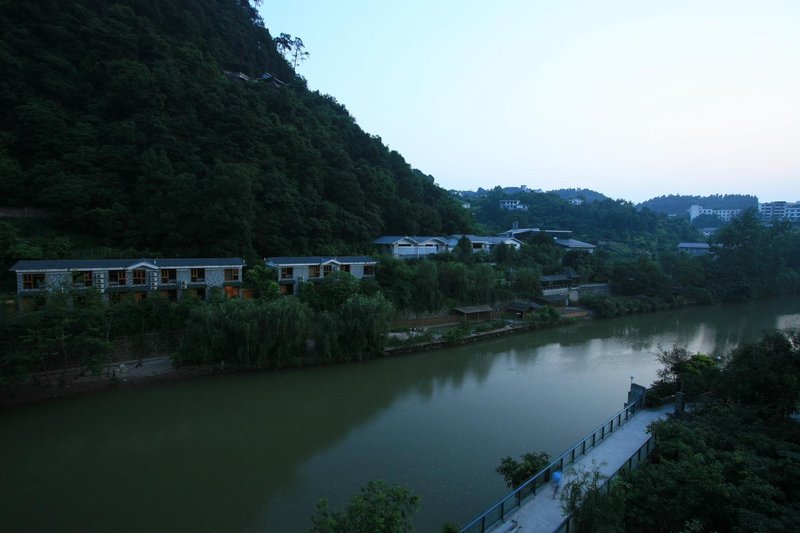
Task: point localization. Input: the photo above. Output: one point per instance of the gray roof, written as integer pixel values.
(319, 260)
(518, 306)
(392, 239)
(702, 245)
(573, 243)
(114, 264)
(482, 238)
(471, 309)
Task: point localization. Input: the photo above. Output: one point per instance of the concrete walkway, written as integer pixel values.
(542, 513)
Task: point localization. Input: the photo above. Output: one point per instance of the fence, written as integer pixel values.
(633, 461)
(499, 511)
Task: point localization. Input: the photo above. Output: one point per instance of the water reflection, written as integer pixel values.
(256, 451)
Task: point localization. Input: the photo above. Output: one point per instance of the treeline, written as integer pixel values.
(602, 220)
(338, 319)
(679, 204)
(730, 464)
(120, 124)
(748, 261)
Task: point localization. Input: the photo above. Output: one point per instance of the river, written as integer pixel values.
(254, 452)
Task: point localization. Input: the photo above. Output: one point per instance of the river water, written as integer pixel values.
(255, 452)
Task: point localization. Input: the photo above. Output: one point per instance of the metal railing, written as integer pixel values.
(498, 512)
(633, 461)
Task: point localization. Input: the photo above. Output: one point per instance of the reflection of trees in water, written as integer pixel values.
(255, 431)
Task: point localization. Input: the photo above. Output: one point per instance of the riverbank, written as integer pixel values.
(53, 385)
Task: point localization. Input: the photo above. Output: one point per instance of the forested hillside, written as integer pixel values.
(119, 122)
(677, 204)
(605, 220)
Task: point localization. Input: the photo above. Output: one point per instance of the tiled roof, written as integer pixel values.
(318, 260)
(392, 239)
(693, 245)
(114, 264)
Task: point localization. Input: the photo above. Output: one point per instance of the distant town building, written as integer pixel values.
(726, 215)
(779, 211)
(513, 205)
(694, 248)
(575, 201)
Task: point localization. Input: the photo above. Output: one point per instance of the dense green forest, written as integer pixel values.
(677, 204)
(120, 124)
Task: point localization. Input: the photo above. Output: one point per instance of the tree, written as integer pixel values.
(291, 47)
(364, 325)
(765, 375)
(262, 281)
(516, 473)
(377, 508)
(594, 509)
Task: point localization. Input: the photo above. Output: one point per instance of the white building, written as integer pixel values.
(726, 215)
(513, 205)
(780, 211)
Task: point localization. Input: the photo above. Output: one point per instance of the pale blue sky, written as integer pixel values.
(634, 99)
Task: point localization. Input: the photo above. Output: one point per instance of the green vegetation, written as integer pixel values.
(377, 508)
(677, 204)
(120, 123)
(517, 472)
(731, 463)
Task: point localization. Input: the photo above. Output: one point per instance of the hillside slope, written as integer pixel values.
(118, 122)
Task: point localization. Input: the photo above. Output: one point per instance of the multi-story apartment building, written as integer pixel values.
(780, 211)
(726, 215)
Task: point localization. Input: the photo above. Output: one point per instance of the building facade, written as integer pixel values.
(726, 215)
(411, 247)
(174, 278)
(292, 271)
(780, 211)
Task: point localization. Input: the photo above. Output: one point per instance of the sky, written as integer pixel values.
(634, 99)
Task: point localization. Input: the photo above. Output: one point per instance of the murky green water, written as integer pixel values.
(255, 452)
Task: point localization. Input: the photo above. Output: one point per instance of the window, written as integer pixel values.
(231, 274)
(345, 268)
(198, 275)
(313, 271)
(369, 270)
(32, 281)
(327, 269)
(171, 295)
(287, 273)
(82, 279)
(169, 275)
(139, 276)
(116, 277)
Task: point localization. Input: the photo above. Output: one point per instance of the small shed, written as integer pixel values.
(474, 313)
(520, 308)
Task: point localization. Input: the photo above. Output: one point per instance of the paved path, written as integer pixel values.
(542, 513)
